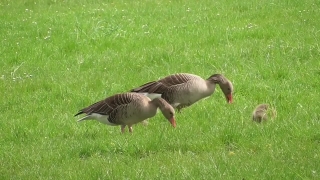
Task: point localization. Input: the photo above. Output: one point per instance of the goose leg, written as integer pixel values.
(130, 128)
(123, 128)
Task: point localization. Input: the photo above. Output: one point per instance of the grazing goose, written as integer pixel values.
(182, 90)
(127, 109)
(262, 113)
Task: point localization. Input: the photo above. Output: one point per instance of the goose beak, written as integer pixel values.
(229, 98)
(173, 122)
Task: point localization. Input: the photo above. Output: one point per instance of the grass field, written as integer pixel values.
(58, 56)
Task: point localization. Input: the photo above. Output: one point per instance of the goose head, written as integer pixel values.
(227, 90)
(225, 85)
(168, 113)
(167, 110)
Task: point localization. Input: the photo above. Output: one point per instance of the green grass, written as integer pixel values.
(60, 56)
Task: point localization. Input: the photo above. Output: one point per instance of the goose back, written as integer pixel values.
(179, 89)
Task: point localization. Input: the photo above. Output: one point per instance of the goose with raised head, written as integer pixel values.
(182, 90)
(127, 109)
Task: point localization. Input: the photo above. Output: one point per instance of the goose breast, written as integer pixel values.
(136, 111)
(192, 91)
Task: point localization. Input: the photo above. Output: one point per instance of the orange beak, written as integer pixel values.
(229, 98)
(173, 122)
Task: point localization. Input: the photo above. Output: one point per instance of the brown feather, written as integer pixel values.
(144, 87)
(107, 105)
(162, 85)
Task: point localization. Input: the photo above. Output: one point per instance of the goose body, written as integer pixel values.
(183, 89)
(126, 109)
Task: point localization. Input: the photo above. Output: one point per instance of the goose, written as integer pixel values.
(183, 89)
(126, 109)
(262, 113)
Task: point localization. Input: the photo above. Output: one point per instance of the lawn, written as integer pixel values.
(58, 56)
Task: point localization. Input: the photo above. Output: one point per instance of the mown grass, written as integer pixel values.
(60, 56)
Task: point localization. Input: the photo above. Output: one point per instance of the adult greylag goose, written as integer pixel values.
(182, 90)
(126, 109)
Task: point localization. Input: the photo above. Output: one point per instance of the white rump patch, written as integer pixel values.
(176, 104)
(99, 117)
(152, 95)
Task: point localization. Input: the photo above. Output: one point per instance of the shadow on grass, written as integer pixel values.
(143, 151)
(100, 151)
